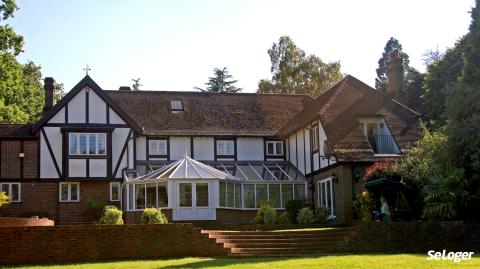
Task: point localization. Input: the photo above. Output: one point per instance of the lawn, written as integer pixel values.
(400, 261)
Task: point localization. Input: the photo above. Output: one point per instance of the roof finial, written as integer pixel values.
(86, 69)
(186, 153)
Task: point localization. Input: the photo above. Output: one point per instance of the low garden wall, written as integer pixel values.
(80, 243)
(414, 237)
(21, 222)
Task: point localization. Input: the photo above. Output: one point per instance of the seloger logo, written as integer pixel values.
(452, 256)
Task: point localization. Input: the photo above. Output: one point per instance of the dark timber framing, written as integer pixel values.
(122, 153)
(52, 155)
(87, 105)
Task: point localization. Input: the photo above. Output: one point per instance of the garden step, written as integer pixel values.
(277, 240)
(278, 236)
(280, 250)
(296, 245)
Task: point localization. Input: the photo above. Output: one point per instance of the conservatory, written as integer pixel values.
(194, 190)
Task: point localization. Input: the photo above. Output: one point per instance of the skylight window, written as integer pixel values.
(176, 105)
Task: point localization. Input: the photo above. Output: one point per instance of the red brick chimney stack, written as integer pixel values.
(395, 74)
(48, 87)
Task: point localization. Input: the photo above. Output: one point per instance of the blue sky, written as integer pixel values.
(174, 45)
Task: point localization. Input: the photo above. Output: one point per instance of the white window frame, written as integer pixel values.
(275, 153)
(321, 199)
(69, 195)
(10, 189)
(315, 137)
(176, 105)
(78, 153)
(225, 142)
(115, 185)
(159, 142)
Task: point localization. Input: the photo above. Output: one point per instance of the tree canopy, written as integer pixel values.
(21, 91)
(293, 71)
(221, 82)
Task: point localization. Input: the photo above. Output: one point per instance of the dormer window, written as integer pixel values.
(176, 105)
(379, 136)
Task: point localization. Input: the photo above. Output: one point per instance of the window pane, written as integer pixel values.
(64, 192)
(223, 192)
(287, 193)
(220, 148)
(15, 193)
(230, 149)
(230, 195)
(202, 194)
(152, 147)
(162, 194)
(329, 195)
(139, 196)
(274, 195)
(185, 194)
(130, 197)
(92, 144)
(83, 144)
(73, 192)
(249, 195)
(162, 147)
(5, 189)
(279, 148)
(115, 192)
(101, 144)
(152, 195)
(261, 194)
(270, 148)
(238, 195)
(299, 191)
(73, 143)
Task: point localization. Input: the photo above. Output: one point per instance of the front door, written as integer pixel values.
(193, 201)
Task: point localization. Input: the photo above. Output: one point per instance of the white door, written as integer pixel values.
(194, 201)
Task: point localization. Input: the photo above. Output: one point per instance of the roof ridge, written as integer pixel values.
(209, 93)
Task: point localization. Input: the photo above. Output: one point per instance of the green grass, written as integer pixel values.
(379, 261)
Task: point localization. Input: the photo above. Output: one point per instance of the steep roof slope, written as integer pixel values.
(339, 110)
(242, 114)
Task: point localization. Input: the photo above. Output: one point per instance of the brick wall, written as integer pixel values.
(414, 237)
(345, 190)
(10, 164)
(81, 243)
(20, 222)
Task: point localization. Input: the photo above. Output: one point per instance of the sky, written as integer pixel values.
(175, 45)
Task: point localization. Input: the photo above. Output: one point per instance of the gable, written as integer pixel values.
(86, 103)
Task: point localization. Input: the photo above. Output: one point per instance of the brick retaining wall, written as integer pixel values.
(414, 237)
(80, 243)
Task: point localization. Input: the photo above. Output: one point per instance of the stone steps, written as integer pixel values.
(281, 243)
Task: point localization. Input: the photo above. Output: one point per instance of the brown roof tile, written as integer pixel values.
(16, 130)
(240, 114)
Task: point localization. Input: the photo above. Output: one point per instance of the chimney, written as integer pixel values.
(48, 87)
(124, 88)
(395, 74)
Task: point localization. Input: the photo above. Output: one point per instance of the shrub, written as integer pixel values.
(111, 215)
(363, 206)
(305, 216)
(284, 218)
(153, 216)
(292, 207)
(3, 198)
(385, 169)
(321, 214)
(265, 215)
(94, 209)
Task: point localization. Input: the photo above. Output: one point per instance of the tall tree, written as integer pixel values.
(471, 69)
(221, 82)
(382, 80)
(21, 91)
(295, 72)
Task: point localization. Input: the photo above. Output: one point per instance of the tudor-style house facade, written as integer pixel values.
(198, 156)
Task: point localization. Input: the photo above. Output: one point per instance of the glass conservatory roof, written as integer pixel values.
(187, 168)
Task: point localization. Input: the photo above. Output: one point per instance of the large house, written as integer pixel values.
(199, 156)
